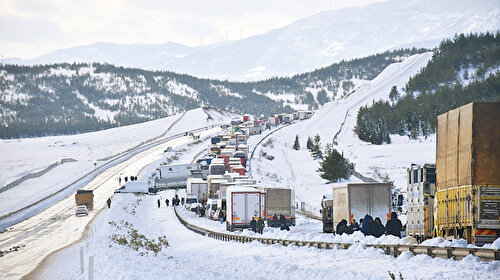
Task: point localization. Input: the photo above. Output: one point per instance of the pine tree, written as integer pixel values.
(309, 143)
(394, 94)
(316, 148)
(296, 145)
(335, 166)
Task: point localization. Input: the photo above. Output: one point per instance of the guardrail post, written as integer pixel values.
(429, 252)
(496, 255)
(395, 251)
(449, 253)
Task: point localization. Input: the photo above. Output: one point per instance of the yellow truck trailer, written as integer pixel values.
(468, 173)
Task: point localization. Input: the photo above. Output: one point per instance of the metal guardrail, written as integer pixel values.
(393, 250)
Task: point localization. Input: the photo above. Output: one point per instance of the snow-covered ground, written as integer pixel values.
(57, 227)
(297, 169)
(192, 256)
(24, 156)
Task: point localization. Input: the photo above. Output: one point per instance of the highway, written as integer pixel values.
(57, 227)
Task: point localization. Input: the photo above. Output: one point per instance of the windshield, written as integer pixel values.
(191, 200)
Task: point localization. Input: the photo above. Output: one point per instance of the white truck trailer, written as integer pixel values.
(355, 200)
(198, 187)
(280, 201)
(243, 205)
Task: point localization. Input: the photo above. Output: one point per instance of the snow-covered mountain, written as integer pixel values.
(76, 98)
(304, 45)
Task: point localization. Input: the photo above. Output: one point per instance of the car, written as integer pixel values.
(81, 210)
(193, 206)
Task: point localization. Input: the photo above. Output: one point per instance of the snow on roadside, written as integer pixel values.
(192, 256)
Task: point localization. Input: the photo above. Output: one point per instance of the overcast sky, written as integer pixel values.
(30, 28)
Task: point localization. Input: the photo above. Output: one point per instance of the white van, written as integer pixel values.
(190, 199)
(211, 208)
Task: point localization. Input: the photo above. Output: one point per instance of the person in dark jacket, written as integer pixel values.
(342, 223)
(378, 228)
(260, 225)
(285, 227)
(275, 220)
(109, 202)
(282, 219)
(394, 225)
(366, 227)
(158, 203)
(354, 225)
(253, 224)
(167, 202)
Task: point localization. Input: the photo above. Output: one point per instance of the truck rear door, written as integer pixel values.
(238, 208)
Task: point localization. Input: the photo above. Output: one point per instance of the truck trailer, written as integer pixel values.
(242, 205)
(355, 200)
(279, 201)
(198, 187)
(85, 197)
(467, 173)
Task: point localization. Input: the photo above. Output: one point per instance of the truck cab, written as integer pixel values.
(327, 213)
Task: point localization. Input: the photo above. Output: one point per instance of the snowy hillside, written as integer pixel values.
(297, 169)
(75, 98)
(307, 44)
(24, 156)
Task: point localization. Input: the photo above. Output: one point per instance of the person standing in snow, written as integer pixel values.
(366, 225)
(377, 228)
(394, 225)
(109, 202)
(166, 202)
(342, 223)
(354, 225)
(158, 203)
(253, 224)
(282, 219)
(275, 220)
(260, 225)
(120, 181)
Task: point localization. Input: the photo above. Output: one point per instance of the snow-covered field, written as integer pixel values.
(192, 256)
(24, 156)
(297, 169)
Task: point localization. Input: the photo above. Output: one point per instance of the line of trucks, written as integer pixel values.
(227, 192)
(458, 196)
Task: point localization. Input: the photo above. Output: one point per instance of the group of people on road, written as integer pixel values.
(257, 224)
(369, 226)
(175, 201)
(132, 178)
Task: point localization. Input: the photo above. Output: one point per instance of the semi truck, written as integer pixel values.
(85, 197)
(242, 205)
(279, 201)
(327, 213)
(421, 191)
(467, 173)
(355, 200)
